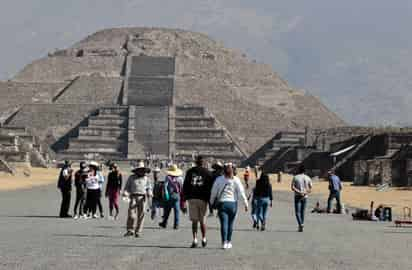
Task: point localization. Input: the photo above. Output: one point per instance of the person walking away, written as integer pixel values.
(158, 192)
(138, 189)
(196, 190)
(246, 176)
(301, 185)
(216, 173)
(226, 192)
(263, 195)
(335, 188)
(173, 189)
(113, 188)
(64, 183)
(101, 182)
(81, 190)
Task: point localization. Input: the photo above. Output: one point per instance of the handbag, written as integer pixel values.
(216, 202)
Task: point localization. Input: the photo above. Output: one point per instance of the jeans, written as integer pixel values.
(253, 212)
(227, 214)
(80, 201)
(156, 204)
(262, 208)
(65, 205)
(334, 195)
(175, 205)
(300, 206)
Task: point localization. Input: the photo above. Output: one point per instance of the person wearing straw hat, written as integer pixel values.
(137, 188)
(173, 188)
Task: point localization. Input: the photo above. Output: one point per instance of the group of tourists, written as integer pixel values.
(88, 181)
(200, 191)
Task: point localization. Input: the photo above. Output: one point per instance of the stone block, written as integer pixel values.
(146, 91)
(152, 66)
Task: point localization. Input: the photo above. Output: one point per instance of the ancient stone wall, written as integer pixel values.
(152, 128)
(93, 89)
(146, 91)
(52, 121)
(59, 69)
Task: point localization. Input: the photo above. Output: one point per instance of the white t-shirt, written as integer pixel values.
(302, 182)
(92, 182)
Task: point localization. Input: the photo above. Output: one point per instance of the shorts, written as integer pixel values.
(197, 210)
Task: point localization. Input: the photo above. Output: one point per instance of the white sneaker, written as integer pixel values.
(76, 217)
(224, 245)
(95, 216)
(229, 245)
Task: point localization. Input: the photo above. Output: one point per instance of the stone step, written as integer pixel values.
(84, 150)
(14, 156)
(95, 121)
(97, 144)
(197, 121)
(219, 155)
(116, 110)
(204, 146)
(11, 130)
(8, 140)
(190, 111)
(198, 133)
(73, 155)
(99, 131)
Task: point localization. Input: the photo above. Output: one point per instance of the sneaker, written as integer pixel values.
(254, 225)
(176, 227)
(224, 246)
(204, 243)
(101, 215)
(137, 235)
(257, 227)
(116, 217)
(162, 225)
(229, 245)
(128, 234)
(263, 227)
(300, 228)
(84, 216)
(194, 244)
(95, 216)
(76, 217)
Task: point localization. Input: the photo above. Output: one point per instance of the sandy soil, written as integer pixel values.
(28, 178)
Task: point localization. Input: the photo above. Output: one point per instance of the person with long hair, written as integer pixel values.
(93, 190)
(226, 192)
(263, 195)
(113, 188)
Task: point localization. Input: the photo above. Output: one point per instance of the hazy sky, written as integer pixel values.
(338, 50)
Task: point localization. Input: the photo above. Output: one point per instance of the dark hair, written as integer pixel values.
(199, 160)
(262, 184)
(301, 169)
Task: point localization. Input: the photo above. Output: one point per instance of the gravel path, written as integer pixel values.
(31, 237)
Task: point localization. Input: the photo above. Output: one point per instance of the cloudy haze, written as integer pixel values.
(354, 55)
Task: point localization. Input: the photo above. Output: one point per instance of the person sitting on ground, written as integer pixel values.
(263, 195)
(65, 185)
(173, 189)
(81, 190)
(113, 188)
(335, 188)
(196, 190)
(318, 209)
(137, 189)
(226, 192)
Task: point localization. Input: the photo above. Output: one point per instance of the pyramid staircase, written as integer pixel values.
(197, 132)
(275, 147)
(104, 137)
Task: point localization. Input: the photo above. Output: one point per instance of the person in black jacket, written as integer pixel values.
(196, 190)
(113, 188)
(264, 196)
(65, 185)
(81, 190)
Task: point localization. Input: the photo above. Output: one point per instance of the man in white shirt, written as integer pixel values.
(301, 186)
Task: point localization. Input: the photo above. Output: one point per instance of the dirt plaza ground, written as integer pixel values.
(33, 238)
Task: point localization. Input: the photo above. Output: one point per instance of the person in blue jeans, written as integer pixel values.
(335, 187)
(263, 195)
(301, 186)
(227, 191)
(174, 188)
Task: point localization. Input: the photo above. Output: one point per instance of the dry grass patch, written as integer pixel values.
(28, 178)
